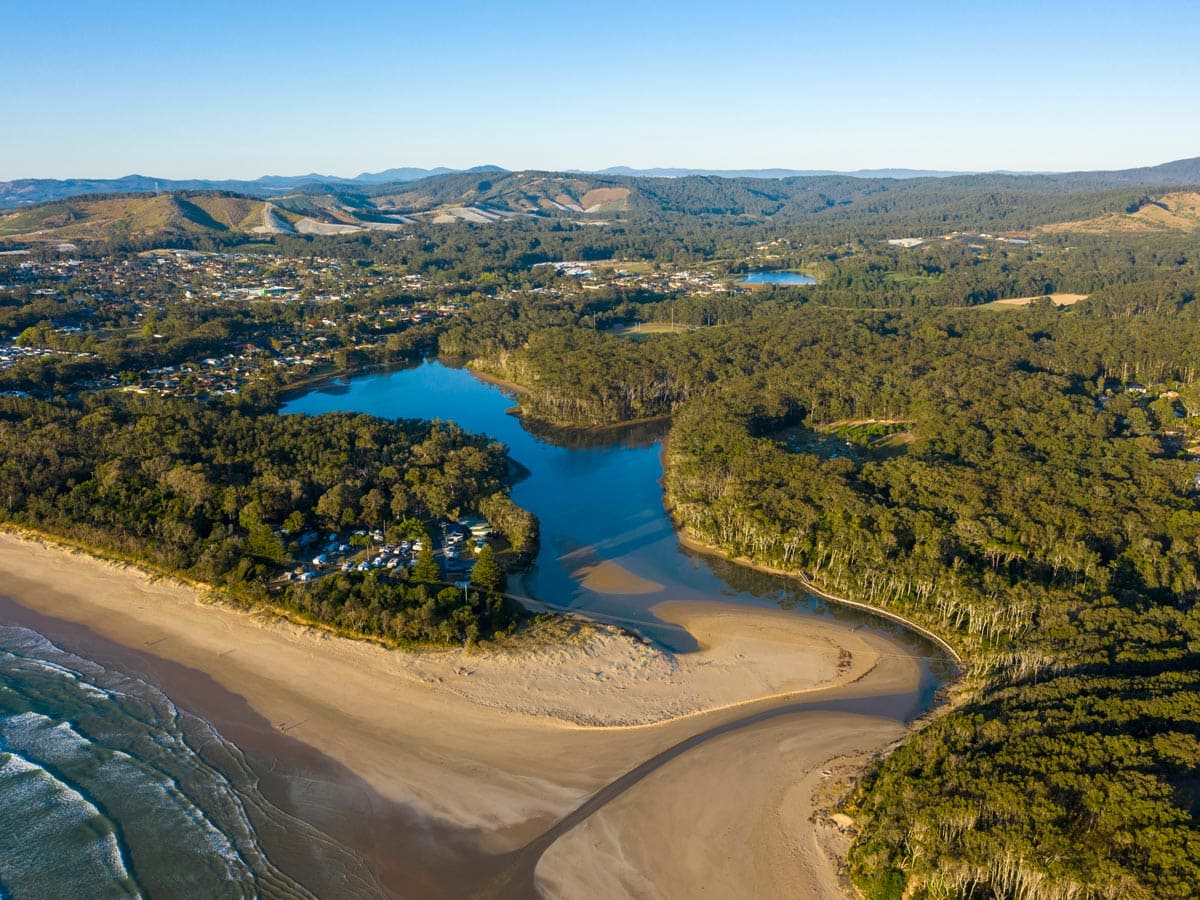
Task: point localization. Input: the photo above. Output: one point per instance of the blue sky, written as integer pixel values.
(241, 89)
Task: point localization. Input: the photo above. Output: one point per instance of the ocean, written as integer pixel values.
(107, 789)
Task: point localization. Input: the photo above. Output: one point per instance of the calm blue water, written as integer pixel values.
(108, 790)
(608, 546)
(765, 277)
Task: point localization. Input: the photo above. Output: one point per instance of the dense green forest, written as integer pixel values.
(223, 498)
(578, 375)
(1046, 525)
(1019, 480)
(1025, 493)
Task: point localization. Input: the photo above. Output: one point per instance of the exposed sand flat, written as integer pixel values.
(755, 837)
(603, 677)
(1056, 299)
(605, 576)
(612, 578)
(486, 745)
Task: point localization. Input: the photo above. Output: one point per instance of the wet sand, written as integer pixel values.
(294, 777)
(604, 576)
(748, 828)
(450, 773)
(700, 547)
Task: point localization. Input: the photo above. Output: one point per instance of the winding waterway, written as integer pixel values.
(608, 546)
(111, 789)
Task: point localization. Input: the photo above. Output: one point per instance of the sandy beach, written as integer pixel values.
(756, 837)
(485, 752)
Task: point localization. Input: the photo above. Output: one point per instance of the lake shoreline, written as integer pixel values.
(695, 544)
(563, 430)
(764, 278)
(701, 547)
(553, 429)
(488, 378)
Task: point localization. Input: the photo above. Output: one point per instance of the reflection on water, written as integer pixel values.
(608, 545)
(634, 436)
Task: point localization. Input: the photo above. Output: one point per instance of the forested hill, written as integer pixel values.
(1023, 480)
(32, 191)
(1027, 199)
(921, 206)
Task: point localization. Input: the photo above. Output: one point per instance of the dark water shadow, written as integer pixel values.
(632, 436)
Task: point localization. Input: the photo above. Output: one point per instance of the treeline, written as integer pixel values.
(1160, 271)
(994, 428)
(1030, 503)
(831, 200)
(828, 357)
(1079, 782)
(1041, 518)
(221, 497)
(578, 373)
(423, 613)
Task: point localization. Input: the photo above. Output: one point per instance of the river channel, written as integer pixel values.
(608, 546)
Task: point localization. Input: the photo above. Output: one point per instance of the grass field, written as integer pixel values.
(605, 200)
(646, 329)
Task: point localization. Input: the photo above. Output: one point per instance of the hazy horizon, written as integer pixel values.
(201, 176)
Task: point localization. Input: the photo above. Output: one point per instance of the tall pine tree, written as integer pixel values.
(486, 572)
(426, 571)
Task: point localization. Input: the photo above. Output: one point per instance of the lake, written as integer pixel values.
(765, 277)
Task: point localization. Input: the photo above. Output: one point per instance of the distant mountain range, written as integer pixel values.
(138, 208)
(28, 191)
(31, 191)
(772, 173)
